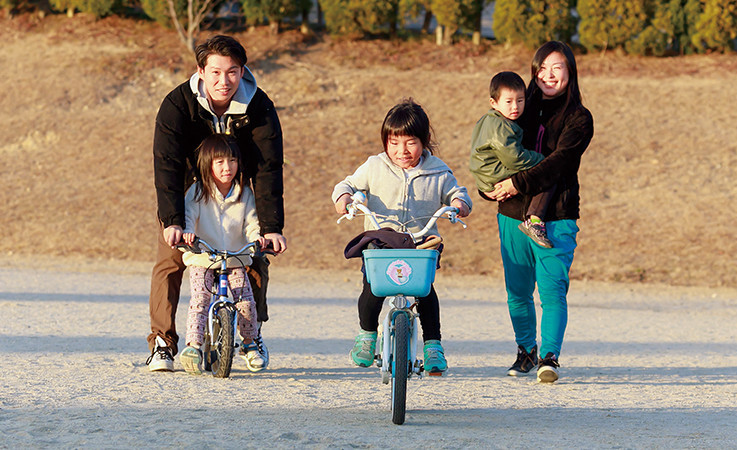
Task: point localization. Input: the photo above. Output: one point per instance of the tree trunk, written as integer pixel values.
(439, 35)
(304, 28)
(426, 22)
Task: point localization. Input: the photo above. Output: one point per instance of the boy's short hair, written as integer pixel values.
(505, 80)
(220, 45)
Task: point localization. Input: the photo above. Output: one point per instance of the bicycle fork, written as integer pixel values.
(399, 305)
(221, 300)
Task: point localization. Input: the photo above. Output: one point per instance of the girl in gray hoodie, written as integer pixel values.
(402, 183)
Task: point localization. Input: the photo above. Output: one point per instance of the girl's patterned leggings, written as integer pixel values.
(201, 282)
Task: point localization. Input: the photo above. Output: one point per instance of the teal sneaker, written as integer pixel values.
(191, 359)
(435, 363)
(363, 350)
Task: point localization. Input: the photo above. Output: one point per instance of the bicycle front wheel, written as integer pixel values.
(219, 356)
(400, 370)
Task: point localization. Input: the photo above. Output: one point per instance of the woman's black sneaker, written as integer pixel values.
(525, 362)
(547, 371)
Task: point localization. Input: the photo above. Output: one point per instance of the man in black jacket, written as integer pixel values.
(221, 97)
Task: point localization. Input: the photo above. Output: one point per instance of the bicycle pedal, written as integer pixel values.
(434, 374)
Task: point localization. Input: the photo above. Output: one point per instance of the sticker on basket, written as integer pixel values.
(399, 272)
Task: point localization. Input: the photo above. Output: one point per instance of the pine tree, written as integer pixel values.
(274, 11)
(610, 24)
(534, 22)
(716, 29)
(360, 17)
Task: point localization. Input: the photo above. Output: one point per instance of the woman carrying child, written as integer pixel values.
(221, 210)
(404, 182)
(556, 122)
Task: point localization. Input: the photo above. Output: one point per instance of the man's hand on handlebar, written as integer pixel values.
(277, 241)
(172, 235)
(463, 209)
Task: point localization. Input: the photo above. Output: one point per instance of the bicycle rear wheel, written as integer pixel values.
(219, 357)
(400, 370)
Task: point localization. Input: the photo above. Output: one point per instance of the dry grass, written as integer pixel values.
(80, 97)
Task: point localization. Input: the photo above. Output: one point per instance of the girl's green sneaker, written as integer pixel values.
(191, 359)
(435, 363)
(362, 353)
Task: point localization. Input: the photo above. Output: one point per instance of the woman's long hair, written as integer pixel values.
(212, 147)
(573, 92)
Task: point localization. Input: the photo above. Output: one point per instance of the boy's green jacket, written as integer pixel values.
(497, 152)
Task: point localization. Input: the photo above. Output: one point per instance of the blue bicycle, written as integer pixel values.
(220, 343)
(403, 276)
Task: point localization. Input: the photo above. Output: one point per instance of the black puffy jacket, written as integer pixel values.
(181, 125)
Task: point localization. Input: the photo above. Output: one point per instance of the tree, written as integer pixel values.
(671, 25)
(610, 23)
(509, 23)
(185, 16)
(716, 29)
(360, 17)
(98, 8)
(453, 15)
(274, 11)
(534, 22)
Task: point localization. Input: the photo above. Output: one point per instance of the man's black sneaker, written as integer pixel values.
(547, 371)
(525, 362)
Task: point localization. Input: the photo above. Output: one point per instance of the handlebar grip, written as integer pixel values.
(267, 250)
(194, 248)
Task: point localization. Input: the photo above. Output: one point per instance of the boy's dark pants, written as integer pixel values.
(539, 203)
(166, 283)
(369, 309)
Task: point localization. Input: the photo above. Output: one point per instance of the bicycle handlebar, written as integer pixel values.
(250, 249)
(357, 205)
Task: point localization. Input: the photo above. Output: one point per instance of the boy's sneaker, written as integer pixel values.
(162, 357)
(547, 371)
(259, 341)
(191, 359)
(525, 362)
(435, 363)
(251, 354)
(362, 353)
(537, 232)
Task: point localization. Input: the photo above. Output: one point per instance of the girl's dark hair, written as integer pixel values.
(215, 146)
(223, 46)
(573, 92)
(407, 118)
(505, 80)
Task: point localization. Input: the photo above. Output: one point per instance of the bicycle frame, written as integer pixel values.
(221, 300)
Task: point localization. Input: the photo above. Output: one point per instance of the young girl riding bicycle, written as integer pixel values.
(404, 182)
(221, 210)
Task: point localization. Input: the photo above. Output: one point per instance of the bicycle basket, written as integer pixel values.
(400, 271)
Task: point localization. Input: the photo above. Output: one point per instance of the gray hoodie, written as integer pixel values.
(403, 195)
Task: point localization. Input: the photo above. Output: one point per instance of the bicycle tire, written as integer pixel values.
(222, 353)
(400, 370)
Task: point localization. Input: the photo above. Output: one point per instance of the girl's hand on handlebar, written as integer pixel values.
(342, 203)
(189, 238)
(463, 209)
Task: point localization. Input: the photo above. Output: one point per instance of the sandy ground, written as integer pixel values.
(643, 366)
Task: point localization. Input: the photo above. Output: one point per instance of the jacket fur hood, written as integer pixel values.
(242, 97)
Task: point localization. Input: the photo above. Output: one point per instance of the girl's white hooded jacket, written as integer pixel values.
(403, 195)
(224, 223)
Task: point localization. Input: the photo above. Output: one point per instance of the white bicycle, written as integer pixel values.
(403, 276)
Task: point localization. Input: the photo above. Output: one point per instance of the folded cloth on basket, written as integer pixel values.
(388, 238)
(383, 238)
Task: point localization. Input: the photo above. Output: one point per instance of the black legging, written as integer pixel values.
(369, 309)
